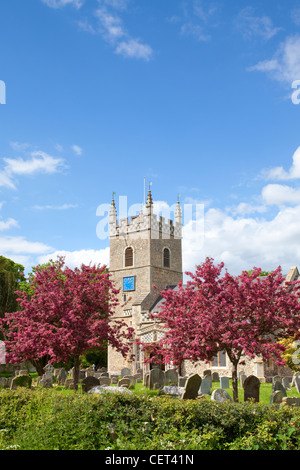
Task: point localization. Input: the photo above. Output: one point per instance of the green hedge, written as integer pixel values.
(49, 420)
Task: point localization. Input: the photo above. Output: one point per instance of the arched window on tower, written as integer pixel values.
(166, 258)
(128, 257)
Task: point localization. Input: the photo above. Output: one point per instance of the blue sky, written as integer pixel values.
(195, 96)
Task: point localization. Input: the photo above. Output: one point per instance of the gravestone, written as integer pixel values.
(47, 378)
(3, 382)
(124, 382)
(146, 380)
(286, 383)
(104, 374)
(114, 379)
(132, 380)
(138, 377)
(251, 388)
(100, 390)
(291, 401)
(61, 377)
(276, 397)
(242, 379)
(205, 386)
(275, 379)
(125, 371)
(23, 380)
(293, 384)
(22, 372)
(224, 382)
(278, 386)
(182, 381)
(207, 373)
(156, 376)
(191, 387)
(104, 381)
(297, 383)
(215, 377)
(171, 376)
(89, 382)
(172, 390)
(220, 395)
(69, 383)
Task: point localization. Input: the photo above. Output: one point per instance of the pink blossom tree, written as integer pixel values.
(66, 313)
(245, 315)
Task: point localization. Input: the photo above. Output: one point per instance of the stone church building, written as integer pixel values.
(146, 251)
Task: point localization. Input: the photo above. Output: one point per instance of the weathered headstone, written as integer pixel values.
(205, 386)
(224, 382)
(182, 381)
(124, 382)
(191, 387)
(293, 384)
(172, 390)
(69, 383)
(3, 382)
(61, 377)
(156, 376)
(251, 388)
(105, 381)
(23, 380)
(138, 377)
(125, 371)
(104, 374)
(114, 379)
(132, 380)
(276, 397)
(297, 383)
(278, 386)
(220, 395)
(171, 376)
(275, 379)
(146, 380)
(290, 401)
(99, 389)
(215, 377)
(242, 379)
(89, 382)
(286, 383)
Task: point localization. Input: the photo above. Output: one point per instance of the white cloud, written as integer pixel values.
(19, 245)
(77, 258)
(5, 180)
(63, 207)
(195, 30)
(244, 208)
(77, 149)
(284, 66)
(62, 3)
(252, 25)
(295, 15)
(111, 25)
(8, 224)
(279, 194)
(134, 49)
(242, 243)
(113, 31)
(278, 173)
(40, 162)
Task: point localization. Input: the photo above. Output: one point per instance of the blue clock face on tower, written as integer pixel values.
(128, 283)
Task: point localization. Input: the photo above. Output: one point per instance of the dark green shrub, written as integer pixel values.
(49, 419)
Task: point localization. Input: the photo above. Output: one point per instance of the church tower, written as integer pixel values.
(145, 251)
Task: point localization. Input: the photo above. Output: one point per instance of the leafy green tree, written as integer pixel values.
(11, 275)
